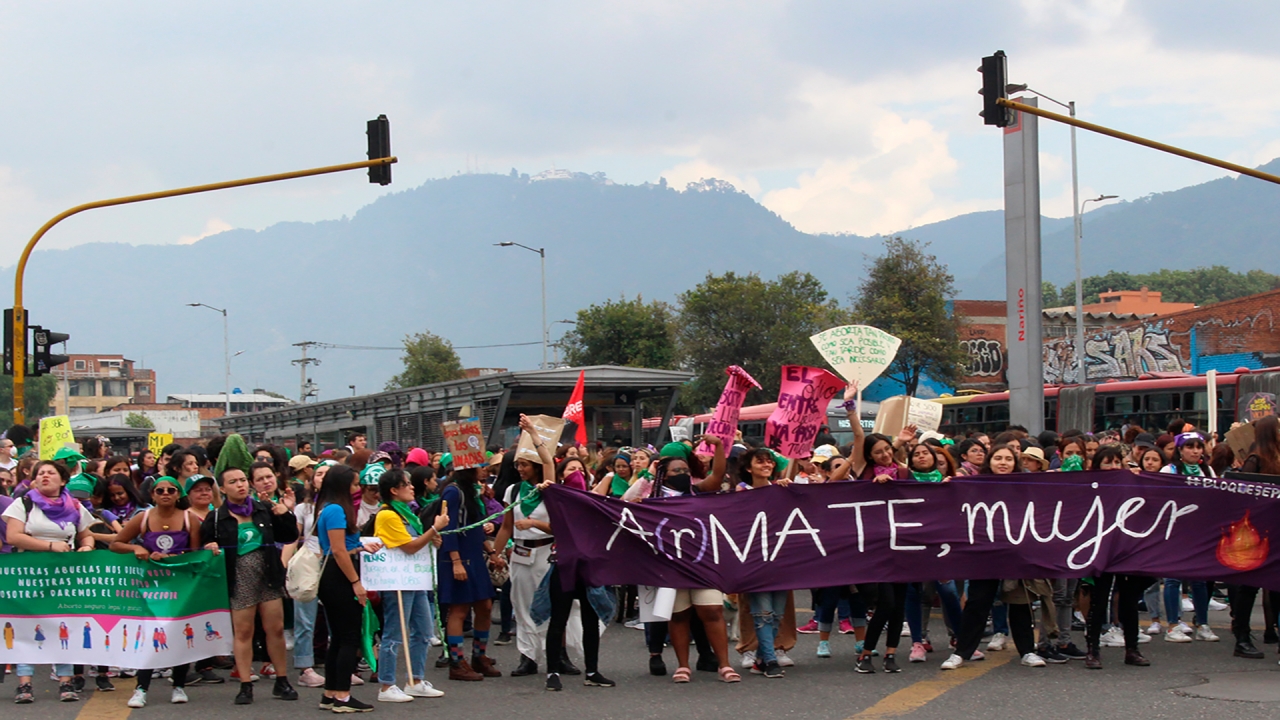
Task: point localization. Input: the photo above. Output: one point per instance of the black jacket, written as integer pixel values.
(222, 527)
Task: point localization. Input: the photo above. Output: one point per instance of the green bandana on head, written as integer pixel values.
(676, 449)
(182, 492)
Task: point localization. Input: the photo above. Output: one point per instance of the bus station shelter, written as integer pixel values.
(615, 401)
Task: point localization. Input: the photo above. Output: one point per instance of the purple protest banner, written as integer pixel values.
(724, 421)
(802, 409)
(1041, 525)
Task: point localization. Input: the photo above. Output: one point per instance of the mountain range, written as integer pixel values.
(425, 259)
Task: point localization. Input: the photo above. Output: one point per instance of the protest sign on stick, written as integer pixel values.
(801, 411)
(157, 441)
(724, 421)
(465, 442)
(859, 353)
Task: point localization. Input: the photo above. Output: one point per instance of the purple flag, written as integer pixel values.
(1036, 525)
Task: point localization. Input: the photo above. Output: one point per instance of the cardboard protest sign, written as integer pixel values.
(548, 428)
(858, 352)
(802, 409)
(1259, 405)
(1240, 438)
(394, 569)
(465, 441)
(899, 411)
(724, 421)
(55, 433)
(157, 441)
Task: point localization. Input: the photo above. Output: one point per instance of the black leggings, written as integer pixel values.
(657, 636)
(978, 601)
(561, 605)
(179, 677)
(1130, 588)
(1243, 598)
(345, 618)
(891, 603)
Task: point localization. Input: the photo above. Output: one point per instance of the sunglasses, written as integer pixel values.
(162, 490)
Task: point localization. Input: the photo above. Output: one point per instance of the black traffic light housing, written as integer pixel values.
(42, 361)
(995, 78)
(379, 132)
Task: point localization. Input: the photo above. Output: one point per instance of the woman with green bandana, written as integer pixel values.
(618, 480)
(398, 527)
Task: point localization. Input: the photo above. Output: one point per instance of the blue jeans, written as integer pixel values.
(304, 628)
(417, 613)
(61, 671)
(1199, 598)
(766, 609)
(951, 610)
(839, 601)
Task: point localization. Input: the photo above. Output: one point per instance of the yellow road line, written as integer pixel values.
(917, 695)
(108, 705)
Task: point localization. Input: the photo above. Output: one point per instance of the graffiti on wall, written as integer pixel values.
(986, 357)
(1115, 353)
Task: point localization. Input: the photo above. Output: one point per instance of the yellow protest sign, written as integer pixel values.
(55, 432)
(157, 441)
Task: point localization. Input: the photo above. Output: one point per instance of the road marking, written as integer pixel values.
(917, 695)
(107, 705)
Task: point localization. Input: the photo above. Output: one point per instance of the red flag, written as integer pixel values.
(574, 413)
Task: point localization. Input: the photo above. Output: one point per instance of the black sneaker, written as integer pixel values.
(443, 660)
(207, 677)
(1071, 652)
(283, 690)
(326, 702)
(553, 682)
(1051, 655)
(224, 662)
(245, 696)
(657, 666)
(566, 665)
(351, 705)
(67, 693)
(24, 695)
(595, 679)
(865, 666)
(773, 670)
(77, 683)
(891, 664)
(504, 638)
(104, 685)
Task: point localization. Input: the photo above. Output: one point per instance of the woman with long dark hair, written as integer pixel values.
(466, 587)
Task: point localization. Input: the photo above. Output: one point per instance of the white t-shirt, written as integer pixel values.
(539, 513)
(305, 513)
(364, 511)
(42, 528)
(10, 464)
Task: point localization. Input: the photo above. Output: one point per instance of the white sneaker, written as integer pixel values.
(356, 680)
(393, 694)
(178, 697)
(634, 624)
(435, 641)
(997, 642)
(1217, 605)
(1187, 605)
(1176, 635)
(1143, 638)
(1033, 660)
(1113, 637)
(1155, 628)
(1206, 634)
(423, 689)
(952, 662)
(288, 640)
(1185, 628)
(139, 699)
(783, 659)
(749, 659)
(906, 630)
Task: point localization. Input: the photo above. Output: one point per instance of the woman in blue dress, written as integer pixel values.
(464, 577)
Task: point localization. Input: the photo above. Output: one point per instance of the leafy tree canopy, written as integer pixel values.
(631, 333)
(427, 359)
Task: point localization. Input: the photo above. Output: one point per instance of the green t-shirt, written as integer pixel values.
(248, 537)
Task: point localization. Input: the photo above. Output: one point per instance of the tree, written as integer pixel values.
(761, 325)
(37, 392)
(632, 333)
(1202, 286)
(1049, 296)
(906, 293)
(138, 420)
(427, 359)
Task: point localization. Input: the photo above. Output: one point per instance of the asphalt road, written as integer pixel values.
(815, 688)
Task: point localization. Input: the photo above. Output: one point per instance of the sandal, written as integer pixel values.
(729, 675)
(681, 675)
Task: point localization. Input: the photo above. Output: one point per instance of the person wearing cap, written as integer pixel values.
(1033, 460)
(370, 498)
(1141, 443)
(417, 457)
(301, 468)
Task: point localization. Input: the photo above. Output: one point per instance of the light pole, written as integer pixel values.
(1080, 375)
(226, 354)
(542, 253)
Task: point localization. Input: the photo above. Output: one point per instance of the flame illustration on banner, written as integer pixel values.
(1241, 547)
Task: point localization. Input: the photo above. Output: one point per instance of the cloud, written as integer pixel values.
(212, 227)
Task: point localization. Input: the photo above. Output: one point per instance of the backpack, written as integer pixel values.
(302, 574)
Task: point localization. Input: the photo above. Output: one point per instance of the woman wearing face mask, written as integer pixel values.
(47, 519)
(160, 532)
(1072, 451)
(248, 529)
(1189, 459)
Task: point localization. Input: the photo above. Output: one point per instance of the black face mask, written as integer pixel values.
(680, 483)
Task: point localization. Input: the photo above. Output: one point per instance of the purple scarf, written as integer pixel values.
(63, 511)
(125, 511)
(244, 509)
(575, 480)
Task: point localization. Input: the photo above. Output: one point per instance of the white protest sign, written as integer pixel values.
(859, 353)
(656, 603)
(899, 411)
(926, 415)
(390, 569)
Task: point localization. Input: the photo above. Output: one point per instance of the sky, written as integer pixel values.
(856, 117)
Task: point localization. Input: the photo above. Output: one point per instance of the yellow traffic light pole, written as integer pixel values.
(19, 326)
(1138, 140)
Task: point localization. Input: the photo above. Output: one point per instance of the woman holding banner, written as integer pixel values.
(397, 527)
(162, 531)
(48, 519)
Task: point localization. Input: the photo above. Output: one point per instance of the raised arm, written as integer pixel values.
(544, 453)
(718, 463)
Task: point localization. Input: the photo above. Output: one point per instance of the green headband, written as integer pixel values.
(182, 492)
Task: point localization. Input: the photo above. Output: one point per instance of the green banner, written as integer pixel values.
(106, 608)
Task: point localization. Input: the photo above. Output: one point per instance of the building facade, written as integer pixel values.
(89, 384)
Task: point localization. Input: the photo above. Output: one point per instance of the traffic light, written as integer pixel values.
(42, 361)
(995, 76)
(8, 338)
(379, 132)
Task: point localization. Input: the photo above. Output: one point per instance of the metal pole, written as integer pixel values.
(543, 253)
(1075, 209)
(226, 357)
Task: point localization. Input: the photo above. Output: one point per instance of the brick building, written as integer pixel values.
(94, 383)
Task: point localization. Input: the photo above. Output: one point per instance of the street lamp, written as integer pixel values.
(1080, 376)
(542, 253)
(226, 354)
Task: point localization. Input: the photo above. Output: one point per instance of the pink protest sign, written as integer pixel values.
(724, 421)
(802, 409)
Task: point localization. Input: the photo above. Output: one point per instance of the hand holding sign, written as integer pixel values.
(859, 353)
